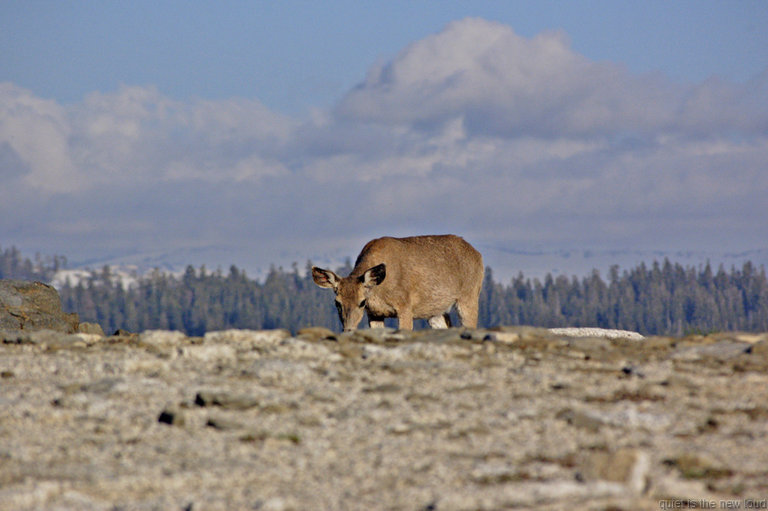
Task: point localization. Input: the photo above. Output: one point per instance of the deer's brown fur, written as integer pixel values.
(420, 277)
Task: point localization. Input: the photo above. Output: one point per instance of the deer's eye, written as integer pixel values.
(362, 304)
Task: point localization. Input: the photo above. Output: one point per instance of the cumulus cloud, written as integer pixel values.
(34, 134)
(505, 85)
(474, 130)
(136, 133)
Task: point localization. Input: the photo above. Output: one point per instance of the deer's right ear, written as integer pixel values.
(374, 276)
(325, 278)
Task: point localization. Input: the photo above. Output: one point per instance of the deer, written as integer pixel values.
(417, 277)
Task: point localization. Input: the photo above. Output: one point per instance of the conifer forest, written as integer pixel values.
(663, 298)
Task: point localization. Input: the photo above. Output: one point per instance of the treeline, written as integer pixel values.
(663, 298)
(199, 301)
(14, 266)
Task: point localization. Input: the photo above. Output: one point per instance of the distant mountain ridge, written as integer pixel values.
(505, 261)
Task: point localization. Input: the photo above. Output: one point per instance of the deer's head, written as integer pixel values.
(351, 292)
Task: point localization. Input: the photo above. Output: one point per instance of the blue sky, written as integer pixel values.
(197, 130)
(293, 56)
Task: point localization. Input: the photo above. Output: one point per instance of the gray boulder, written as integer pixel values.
(28, 305)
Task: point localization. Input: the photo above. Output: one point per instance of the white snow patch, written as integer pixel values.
(598, 332)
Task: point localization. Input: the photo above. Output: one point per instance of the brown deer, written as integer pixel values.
(420, 277)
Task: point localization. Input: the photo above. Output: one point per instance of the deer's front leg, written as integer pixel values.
(375, 321)
(405, 320)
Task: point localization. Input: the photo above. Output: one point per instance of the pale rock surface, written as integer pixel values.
(503, 418)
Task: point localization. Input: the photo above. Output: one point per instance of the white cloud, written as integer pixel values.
(135, 135)
(37, 131)
(505, 85)
(509, 86)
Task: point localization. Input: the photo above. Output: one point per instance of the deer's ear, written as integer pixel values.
(374, 276)
(325, 278)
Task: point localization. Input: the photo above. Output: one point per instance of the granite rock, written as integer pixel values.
(503, 418)
(32, 306)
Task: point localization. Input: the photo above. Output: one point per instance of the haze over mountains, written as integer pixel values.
(505, 261)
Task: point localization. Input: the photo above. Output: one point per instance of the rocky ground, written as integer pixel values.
(514, 418)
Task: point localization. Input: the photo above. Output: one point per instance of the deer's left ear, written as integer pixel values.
(325, 278)
(374, 276)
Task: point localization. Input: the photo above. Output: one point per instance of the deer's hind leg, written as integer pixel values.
(442, 321)
(468, 313)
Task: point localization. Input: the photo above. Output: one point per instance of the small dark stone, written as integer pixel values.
(171, 416)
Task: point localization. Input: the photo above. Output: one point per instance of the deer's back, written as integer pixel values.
(434, 271)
